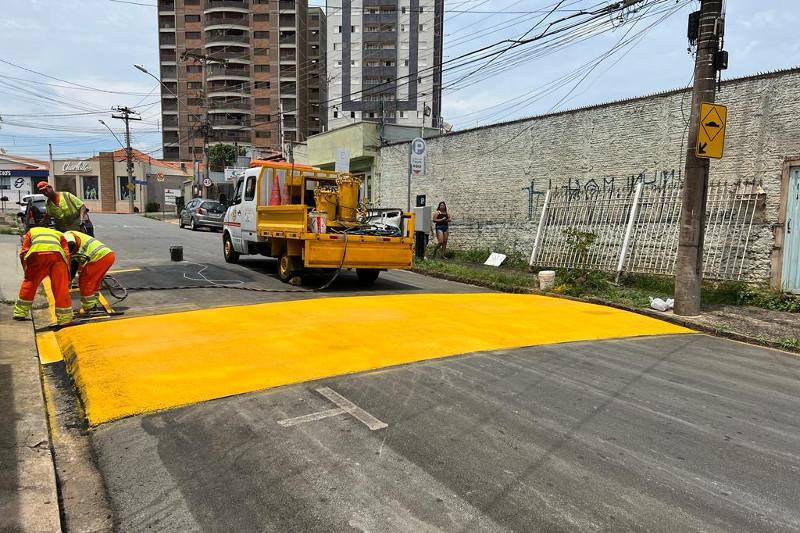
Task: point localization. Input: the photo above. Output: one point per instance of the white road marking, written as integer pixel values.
(345, 406)
(312, 417)
(370, 421)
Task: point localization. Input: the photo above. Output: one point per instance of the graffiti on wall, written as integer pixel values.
(589, 187)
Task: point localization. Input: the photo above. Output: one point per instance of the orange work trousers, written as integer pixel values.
(92, 275)
(40, 265)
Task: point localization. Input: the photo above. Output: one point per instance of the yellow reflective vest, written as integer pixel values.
(67, 213)
(46, 240)
(90, 249)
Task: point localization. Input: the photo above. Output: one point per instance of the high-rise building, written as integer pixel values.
(250, 69)
(385, 61)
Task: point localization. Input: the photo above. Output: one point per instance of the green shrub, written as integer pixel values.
(152, 207)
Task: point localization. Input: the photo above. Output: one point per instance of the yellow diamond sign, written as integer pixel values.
(711, 133)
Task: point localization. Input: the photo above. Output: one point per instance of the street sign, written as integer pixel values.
(160, 176)
(711, 133)
(169, 196)
(417, 159)
(131, 186)
(207, 182)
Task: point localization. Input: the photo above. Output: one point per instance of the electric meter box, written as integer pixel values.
(422, 219)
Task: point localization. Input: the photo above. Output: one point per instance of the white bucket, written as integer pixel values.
(547, 278)
(318, 222)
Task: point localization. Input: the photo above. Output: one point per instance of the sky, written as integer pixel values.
(48, 48)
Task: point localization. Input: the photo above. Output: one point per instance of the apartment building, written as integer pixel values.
(250, 69)
(385, 62)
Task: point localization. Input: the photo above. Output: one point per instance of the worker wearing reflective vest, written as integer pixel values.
(45, 252)
(94, 259)
(67, 210)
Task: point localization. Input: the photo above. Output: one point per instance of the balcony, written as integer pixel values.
(228, 106)
(227, 38)
(226, 5)
(286, 5)
(288, 56)
(227, 21)
(167, 39)
(389, 53)
(230, 54)
(380, 36)
(233, 71)
(379, 72)
(288, 40)
(167, 55)
(288, 72)
(228, 122)
(382, 18)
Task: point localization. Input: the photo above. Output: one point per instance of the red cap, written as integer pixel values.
(42, 186)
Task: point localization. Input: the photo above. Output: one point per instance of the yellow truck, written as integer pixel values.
(311, 219)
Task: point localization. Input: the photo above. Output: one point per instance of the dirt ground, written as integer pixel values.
(758, 324)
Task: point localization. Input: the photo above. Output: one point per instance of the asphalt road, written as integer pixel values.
(678, 433)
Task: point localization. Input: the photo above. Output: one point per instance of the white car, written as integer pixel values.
(23, 204)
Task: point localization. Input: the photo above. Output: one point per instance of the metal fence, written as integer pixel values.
(637, 230)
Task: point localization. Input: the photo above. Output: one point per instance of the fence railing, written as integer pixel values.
(637, 230)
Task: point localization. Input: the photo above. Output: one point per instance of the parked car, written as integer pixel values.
(32, 211)
(200, 213)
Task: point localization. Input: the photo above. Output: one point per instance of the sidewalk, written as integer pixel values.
(28, 494)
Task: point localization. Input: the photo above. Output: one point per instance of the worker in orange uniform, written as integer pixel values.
(66, 208)
(45, 252)
(94, 259)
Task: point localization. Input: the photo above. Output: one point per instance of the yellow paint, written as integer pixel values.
(51, 410)
(124, 270)
(143, 364)
(47, 345)
(51, 300)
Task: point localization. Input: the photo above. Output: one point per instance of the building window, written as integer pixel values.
(192, 34)
(123, 188)
(403, 10)
(261, 35)
(261, 68)
(262, 101)
(90, 188)
(352, 114)
(261, 17)
(405, 62)
(261, 51)
(191, 18)
(262, 119)
(337, 46)
(191, 2)
(353, 29)
(335, 114)
(262, 85)
(263, 134)
(194, 68)
(421, 27)
(421, 9)
(402, 114)
(403, 27)
(338, 29)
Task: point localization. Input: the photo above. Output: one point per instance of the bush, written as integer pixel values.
(152, 207)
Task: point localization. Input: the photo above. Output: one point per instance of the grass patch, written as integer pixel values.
(152, 217)
(634, 290)
(11, 230)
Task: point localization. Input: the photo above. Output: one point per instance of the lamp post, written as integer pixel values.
(141, 68)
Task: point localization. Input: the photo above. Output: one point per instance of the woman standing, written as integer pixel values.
(441, 219)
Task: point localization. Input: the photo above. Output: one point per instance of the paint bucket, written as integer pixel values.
(176, 253)
(547, 278)
(325, 198)
(318, 222)
(348, 198)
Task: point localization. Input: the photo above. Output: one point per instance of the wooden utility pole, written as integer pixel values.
(125, 114)
(689, 262)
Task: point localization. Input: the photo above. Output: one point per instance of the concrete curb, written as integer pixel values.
(665, 316)
(29, 499)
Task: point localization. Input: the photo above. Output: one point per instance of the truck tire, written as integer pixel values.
(285, 267)
(231, 255)
(367, 276)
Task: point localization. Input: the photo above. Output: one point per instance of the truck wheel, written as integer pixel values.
(284, 267)
(367, 275)
(231, 255)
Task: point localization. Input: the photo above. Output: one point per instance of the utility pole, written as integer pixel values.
(689, 262)
(205, 127)
(125, 114)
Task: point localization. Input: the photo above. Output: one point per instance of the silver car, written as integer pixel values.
(200, 213)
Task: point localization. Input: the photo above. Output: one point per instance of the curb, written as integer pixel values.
(667, 317)
(29, 495)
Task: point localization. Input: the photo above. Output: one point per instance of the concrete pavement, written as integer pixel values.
(28, 494)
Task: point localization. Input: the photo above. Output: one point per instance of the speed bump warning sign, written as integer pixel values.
(711, 133)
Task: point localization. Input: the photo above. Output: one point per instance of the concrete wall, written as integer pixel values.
(482, 173)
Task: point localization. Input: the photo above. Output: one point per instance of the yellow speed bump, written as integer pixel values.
(144, 364)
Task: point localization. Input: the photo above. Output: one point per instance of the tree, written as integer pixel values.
(222, 155)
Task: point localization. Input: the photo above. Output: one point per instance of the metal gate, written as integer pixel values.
(637, 230)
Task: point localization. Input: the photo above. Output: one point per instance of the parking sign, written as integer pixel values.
(417, 159)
